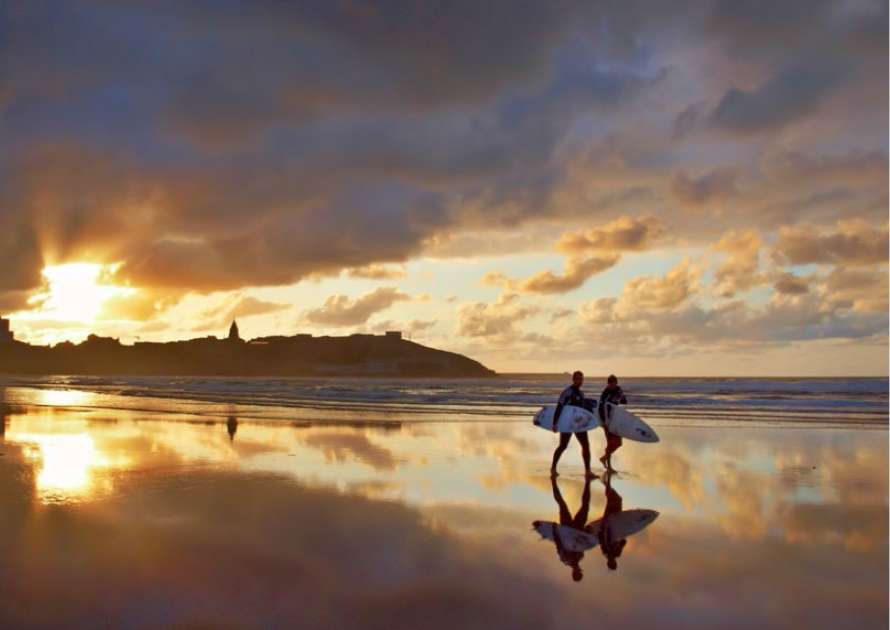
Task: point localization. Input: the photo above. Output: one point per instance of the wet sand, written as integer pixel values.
(124, 518)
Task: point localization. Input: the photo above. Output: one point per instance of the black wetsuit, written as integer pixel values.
(572, 396)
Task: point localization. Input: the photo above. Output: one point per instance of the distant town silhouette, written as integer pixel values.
(298, 355)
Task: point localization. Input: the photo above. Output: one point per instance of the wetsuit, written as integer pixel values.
(615, 395)
(572, 396)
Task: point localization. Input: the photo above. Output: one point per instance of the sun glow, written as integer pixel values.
(76, 292)
(65, 465)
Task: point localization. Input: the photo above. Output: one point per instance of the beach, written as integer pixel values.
(223, 503)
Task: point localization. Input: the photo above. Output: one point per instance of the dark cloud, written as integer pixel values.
(853, 243)
(790, 284)
(714, 186)
(784, 98)
(214, 146)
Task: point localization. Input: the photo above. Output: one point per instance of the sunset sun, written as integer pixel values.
(76, 292)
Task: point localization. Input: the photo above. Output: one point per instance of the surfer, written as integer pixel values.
(615, 395)
(610, 547)
(572, 396)
(579, 522)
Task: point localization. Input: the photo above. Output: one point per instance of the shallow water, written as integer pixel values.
(706, 401)
(146, 519)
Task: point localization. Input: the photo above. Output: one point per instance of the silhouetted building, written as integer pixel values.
(233, 332)
(6, 335)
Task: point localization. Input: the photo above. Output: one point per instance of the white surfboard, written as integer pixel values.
(621, 525)
(572, 539)
(575, 419)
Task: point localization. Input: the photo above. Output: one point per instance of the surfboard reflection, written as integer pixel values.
(573, 535)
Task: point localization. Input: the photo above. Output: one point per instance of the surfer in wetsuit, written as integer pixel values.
(572, 396)
(579, 522)
(611, 548)
(615, 395)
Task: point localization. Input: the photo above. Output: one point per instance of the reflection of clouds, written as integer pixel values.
(253, 550)
(741, 493)
(671, 468)
(339, 447)
(859, 528)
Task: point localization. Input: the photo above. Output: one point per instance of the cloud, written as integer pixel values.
(377, 272)
(784, 319)
(497, 319)
(341, 310)
(717, 185)
(239, 307)
(854, 242)
(577, 272)
(561, 313)
(666, 292)
(790, 284)
(863, 290)
(621, 235)
(413, 326)
(741, 269)
(785, 97)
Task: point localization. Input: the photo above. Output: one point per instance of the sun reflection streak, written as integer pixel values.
(66, 465)
(63, 397)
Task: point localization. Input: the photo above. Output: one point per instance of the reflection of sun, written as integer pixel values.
(75, 292)
(66, 463)
(62, 397)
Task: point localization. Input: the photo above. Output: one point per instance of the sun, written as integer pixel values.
(75, 292)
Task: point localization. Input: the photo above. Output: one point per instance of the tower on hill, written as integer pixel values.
(233, 332)
(6, 335)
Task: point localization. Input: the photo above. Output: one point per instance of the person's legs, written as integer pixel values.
(613, 443)
(604, 460)
(563, 442)
(585, 449)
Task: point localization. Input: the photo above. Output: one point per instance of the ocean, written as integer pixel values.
(507, 398)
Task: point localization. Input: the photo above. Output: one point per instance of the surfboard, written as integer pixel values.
(572, 539)
(622, 525)
(625, 523)
(575, 419)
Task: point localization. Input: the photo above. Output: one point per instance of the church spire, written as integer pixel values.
(233, 332)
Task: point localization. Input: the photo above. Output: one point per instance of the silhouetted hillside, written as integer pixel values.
(300, 355)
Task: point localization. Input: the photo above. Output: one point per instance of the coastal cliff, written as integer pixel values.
(299, 355)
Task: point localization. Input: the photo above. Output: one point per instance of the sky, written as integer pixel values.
(686, 188)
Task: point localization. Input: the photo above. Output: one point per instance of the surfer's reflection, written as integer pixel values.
(232, 427)
(573, 537)
(5, 413)
(610, 545)
(569, 536)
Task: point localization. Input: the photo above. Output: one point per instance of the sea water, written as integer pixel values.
(664, 401)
